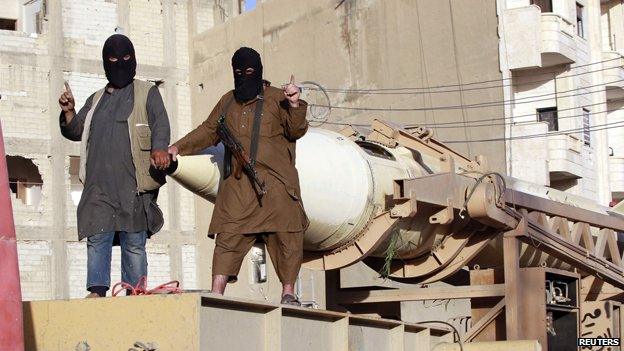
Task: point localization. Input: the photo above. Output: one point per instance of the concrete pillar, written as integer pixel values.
(57, 150)
(204, 247)
(193, 6)
(123, 16)
(599, 140)
(171, 103)
(501, 6)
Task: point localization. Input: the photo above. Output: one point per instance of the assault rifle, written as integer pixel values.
(237, 150)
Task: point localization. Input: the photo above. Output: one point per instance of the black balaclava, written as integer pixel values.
(119, 73)
(247, 87)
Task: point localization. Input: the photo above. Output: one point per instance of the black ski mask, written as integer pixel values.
(247, 86)
(120, 72)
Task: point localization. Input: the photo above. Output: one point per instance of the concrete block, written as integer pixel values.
(207, 322)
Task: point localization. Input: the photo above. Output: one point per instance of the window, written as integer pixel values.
(579, 21)
(544, 5)
(548, 115)
(25, 16)
(75, 185)
(586, 125)
(24, 180)
(33, 12)
(7, 24)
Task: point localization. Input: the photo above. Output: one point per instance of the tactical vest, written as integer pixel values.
(140, 137)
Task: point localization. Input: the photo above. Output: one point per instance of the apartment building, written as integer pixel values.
(562, 67)
(42, 44)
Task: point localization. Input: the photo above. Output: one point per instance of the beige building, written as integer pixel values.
(465, 68)
(562, 61)
(42, 44)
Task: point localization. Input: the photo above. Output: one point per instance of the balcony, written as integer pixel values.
(558, 44)
(565, 158)
(535, 39)
(614, 74)
(616, 177)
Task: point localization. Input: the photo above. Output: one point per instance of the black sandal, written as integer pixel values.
(292, 300)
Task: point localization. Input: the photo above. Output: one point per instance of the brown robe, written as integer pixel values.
(237, 209)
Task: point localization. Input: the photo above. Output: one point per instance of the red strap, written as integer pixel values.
(172, 287)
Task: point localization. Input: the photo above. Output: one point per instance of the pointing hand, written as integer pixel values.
(292, 92)
(67, 99)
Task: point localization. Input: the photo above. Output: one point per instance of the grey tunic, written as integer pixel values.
(109, 201)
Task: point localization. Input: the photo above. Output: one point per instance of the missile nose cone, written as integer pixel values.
(199, 174)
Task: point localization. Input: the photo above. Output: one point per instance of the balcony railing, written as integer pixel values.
(614, 74)
(536, 39)
(565, 157)
(558, 44)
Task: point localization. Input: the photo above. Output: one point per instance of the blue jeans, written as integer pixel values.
(133, 258)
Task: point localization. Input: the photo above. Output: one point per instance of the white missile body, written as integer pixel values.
(345, 183)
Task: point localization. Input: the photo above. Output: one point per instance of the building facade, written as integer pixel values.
(562, 63)
(43, 44)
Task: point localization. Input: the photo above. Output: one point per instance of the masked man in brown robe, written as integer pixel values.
(241, 216)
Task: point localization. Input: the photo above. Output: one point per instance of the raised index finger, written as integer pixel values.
(292, 79)
(68, 89)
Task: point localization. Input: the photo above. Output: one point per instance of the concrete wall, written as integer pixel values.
(362, 45)
(32, 71)
(9, 9)
(612, 19)
(616, 142)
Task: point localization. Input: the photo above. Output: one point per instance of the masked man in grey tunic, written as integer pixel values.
(123, 129)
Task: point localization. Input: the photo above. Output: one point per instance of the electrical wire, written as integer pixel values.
(424, 90)
(478, 105)
(525, 115)
(466, 84)
(459, 76)
(594, 128)
(471, 124)
(476, 184)
(514, 123)
(491, 119)
(494, 103)
(455, 331)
